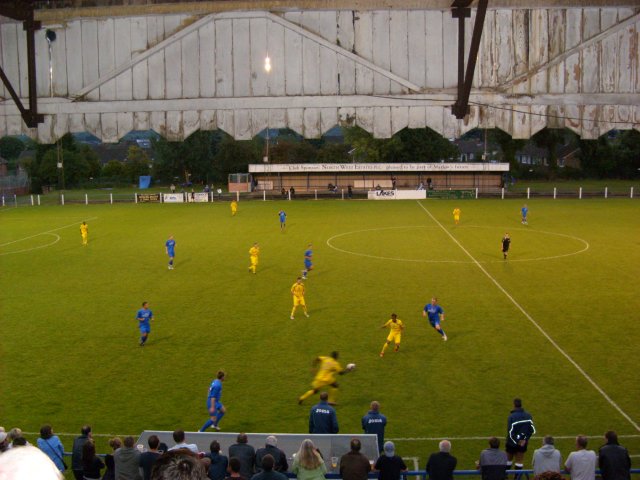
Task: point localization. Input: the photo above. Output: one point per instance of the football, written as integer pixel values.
(351, 366)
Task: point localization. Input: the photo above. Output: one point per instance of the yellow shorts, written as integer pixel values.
(394, 337)
(456, 217)
(318, 384)
(254, 260)
(298, 301)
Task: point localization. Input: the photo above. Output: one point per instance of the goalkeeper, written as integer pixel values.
(326, 369)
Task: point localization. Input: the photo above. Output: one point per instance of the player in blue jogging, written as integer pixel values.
(436, 315)
(308, 264)
(144, 316)
(524, 211)
(170, 246)
(283, 219)
(214, 406)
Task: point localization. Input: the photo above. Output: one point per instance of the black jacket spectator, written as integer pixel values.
(613, 459)
(245, 453)
(76, 451)
(441, 465)
(279, 457)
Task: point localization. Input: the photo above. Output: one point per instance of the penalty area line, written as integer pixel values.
(44, 233)
(534, 323)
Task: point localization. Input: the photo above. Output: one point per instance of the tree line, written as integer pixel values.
(208, 157)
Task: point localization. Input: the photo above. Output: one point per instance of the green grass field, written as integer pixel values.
(69, 342)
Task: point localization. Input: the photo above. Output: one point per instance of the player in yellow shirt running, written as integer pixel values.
(297, 290)
(396, 327)
(84, 231)
(234, 208)
(456, 215)
(326, 370)
(253, 257)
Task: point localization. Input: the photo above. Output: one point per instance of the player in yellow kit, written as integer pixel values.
(456, 215)
(234, 208)
(84, 232)
(253, 257)
(297, 290)
(326, 370)
(396, 327)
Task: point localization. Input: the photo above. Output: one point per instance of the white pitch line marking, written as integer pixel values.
(56, 240)
(535, 324)
(466, 262)
(43, 233)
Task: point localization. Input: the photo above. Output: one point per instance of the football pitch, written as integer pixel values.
(556, 324)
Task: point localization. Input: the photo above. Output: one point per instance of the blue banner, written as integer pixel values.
(145, 181)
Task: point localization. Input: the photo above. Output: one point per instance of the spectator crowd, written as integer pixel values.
(183, 461)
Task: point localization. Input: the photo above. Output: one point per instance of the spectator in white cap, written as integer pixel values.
(271, 448)
(390, 466)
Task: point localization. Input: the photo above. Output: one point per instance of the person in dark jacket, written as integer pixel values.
(613, 459)
(245, 453)
(354, 465)
(92, 464)
(271, 448)
(389, 465)
(148, 459)
(76, 452)
(519, 430)
(322, 418)
(267, 471)
(375, 422)
(219, 463)
(441, 465)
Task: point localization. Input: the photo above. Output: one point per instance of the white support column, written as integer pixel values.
(111, 198)
(237, 196)
(502, 193)
(477, 189)
(606, 192)
(580, 194)
(15, 199)
(315, 192)
(62, 199)
(554, 192)
(3, 200)
(135, 197)
(528, 192)
(32, 200)
(86, 199)
(631, 193)
(289, 194)
(38, 199)
(264, 195)
(342, 193)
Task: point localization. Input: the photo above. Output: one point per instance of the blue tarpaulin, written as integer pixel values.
(145, 181)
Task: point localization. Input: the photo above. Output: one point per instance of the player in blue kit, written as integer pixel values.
(283, 219)
(144, 316)
(436, 315)
(170, 246)
(308, 264)
(214, 406)
(524, 211)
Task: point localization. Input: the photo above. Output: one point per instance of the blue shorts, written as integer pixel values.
(171, 253)
(218, 405)
(145, 328)
(308, 264)
(434, 323)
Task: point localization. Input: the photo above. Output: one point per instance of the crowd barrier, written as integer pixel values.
(98, 197)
